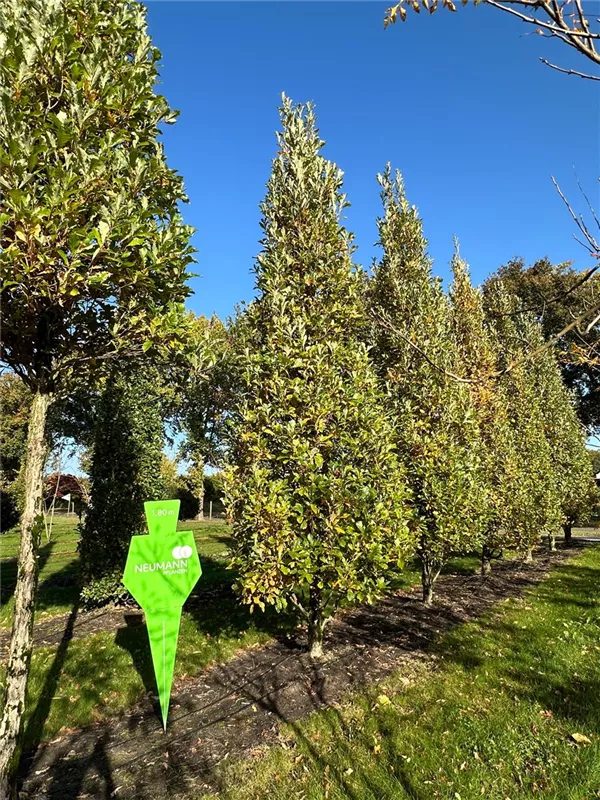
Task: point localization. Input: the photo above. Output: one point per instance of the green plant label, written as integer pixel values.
(162, 569)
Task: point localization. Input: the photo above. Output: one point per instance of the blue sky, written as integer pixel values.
(458, 102)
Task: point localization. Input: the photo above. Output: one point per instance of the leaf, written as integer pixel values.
(383, 700)
(580, 738)
(103, 228)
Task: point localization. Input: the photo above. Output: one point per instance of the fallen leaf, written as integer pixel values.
(580, 738)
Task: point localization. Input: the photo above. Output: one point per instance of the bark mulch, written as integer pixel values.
(232, 710)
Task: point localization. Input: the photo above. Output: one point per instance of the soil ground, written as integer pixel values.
(234, 709)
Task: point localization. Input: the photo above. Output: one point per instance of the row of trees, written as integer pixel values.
(377, 417)
(365, 422)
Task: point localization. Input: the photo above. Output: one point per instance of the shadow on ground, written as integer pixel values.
(234, 708)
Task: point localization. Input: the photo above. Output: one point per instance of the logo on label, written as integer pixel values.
(182, 552)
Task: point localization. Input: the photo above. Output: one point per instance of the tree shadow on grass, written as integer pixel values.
(8, 572)
(531, 672)
(97, 763)
(37, 719)
(34, 726)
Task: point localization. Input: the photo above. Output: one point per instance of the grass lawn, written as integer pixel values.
(58, 593)
(497, 717)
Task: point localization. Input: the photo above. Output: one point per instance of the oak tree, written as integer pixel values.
(478, 363)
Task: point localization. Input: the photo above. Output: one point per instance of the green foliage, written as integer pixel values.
(187, 492)
(556, 296)
(566, 438)
(94, 252)
(478, 362)
(315, 495)
(15, 402)
(416, 358)
(535, 493)
(213, 486)
(205, 392)
(125, 471)
(9, 510)
(169, 478)
(15, 406)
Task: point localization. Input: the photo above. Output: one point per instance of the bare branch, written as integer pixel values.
(589, 205)
(595, 247)
(577, 35)
(561, 31)
(570, 71)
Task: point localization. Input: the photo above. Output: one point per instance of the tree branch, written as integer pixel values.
(387, 324)
(570, 71)
(594, 247)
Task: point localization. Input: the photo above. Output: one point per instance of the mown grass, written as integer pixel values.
(494, 718)
(57, 589)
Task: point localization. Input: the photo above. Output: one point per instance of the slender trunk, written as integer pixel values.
(528, 556)
(21, 639)
(486, 562)
(552, 542)
(568, 531)
(49, 532)
(316, 622)
(200, 468)
(428, 577)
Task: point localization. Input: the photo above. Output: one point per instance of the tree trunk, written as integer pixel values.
(21, 639)
(552, 542)
(316, 622)
(200, 468)
(529, 556)
(428, 576)
(568, 530)
(486, 562)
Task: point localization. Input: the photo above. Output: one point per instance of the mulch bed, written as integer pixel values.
(231, 710)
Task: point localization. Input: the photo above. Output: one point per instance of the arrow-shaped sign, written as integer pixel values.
(161, 571)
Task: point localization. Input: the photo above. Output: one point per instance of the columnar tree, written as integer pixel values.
(204, 395)
(477, 362)
(535, 498)
(94, 252)
(571, 468)
(316, 499)
(125, 471)
(415, 355)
